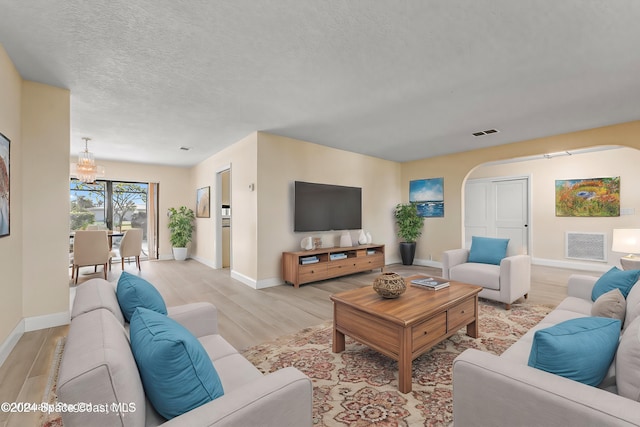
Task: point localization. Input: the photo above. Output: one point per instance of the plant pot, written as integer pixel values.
(180, 254)
(407, 252)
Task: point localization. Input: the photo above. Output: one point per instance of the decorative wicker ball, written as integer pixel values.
(389, 285)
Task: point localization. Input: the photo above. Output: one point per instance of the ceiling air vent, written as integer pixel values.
(485, 132)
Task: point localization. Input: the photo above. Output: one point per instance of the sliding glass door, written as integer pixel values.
(111, 205)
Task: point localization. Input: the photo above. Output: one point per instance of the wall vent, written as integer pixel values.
(485, 132)
(586, 246)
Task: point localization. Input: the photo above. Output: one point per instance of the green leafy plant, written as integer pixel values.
(408, 221)
(180, 226)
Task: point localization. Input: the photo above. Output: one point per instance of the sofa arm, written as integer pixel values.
(490, 390)
(200, 318)
(280, 399)
(451, 258)
(580, 286)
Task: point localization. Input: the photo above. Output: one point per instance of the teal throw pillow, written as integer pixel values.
(176, 372)
(615, 278)
(487, 250)
(134, 292)
(580, 349)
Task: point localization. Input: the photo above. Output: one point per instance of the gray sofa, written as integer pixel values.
(98, 367)
(490, 390)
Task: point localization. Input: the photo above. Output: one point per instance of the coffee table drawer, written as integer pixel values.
(429, 331)
(461, 315)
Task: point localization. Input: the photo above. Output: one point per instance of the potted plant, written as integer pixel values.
(181, 229)
(409, 229)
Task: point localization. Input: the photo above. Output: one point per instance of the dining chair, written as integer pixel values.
(131, 245)
(90, 247)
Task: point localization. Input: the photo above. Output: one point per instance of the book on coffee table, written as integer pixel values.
(431, 283)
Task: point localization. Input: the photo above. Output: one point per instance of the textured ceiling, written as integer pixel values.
(399, 80)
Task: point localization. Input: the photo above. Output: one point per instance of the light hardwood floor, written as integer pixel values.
(246, 316)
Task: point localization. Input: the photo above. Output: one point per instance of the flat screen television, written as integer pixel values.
(323, 207)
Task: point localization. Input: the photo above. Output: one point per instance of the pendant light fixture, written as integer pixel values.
(86, 169)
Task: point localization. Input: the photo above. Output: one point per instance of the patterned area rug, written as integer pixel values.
(53, 419)
(359, 387)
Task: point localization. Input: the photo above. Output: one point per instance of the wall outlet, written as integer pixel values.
(627, 211)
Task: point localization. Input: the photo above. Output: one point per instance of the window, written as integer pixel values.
(109, 205)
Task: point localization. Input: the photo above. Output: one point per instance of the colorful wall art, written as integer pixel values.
(202, 202)
(588, 197)
(428, 195)
(4, 186)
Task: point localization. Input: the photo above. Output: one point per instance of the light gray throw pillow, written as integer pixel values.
(628, 362)
(611, 304)
(633, 305)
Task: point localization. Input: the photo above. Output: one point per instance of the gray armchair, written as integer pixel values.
(503, 283)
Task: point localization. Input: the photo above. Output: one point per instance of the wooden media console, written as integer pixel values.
(325, 263)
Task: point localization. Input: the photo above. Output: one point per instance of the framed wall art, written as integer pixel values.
(4, 185)
(202, 203)
(428, 195)
(588, 197)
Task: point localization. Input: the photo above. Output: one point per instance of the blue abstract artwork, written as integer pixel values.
(428, 195)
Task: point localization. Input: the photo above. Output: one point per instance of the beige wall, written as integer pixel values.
(547, 230)
(33, 259)
(11, 246)
(241, 157)
(262, 217)
(281, 161)
(445, 233)
(174, 190)
(46, 118)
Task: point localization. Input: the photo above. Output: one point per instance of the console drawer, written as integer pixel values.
(313, 272)
(342, 267)
(369, 262)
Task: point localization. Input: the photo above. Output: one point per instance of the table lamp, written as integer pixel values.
(627, 240)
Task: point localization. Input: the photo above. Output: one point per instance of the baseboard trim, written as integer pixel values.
(269, 283)
(601, 268)
(11, 341)
(427, 263)
(47, 321)
(244, 279)
(204, 261)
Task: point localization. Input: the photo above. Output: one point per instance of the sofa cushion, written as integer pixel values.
(579, 349)
(97, 366)
(611, 304)
(176, 371)
(134, 292)
(615, 278)
(94, 294)
(575, 305)
(628, 362)
(487, 250)
(633, 305)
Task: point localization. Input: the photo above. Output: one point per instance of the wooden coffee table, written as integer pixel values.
(405, 327)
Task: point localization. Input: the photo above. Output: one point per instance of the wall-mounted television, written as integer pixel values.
(323, 207)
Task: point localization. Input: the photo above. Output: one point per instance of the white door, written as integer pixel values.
(498, 208)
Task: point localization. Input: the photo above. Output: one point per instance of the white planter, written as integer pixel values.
(180, 254)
